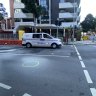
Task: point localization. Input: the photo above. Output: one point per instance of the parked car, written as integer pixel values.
(40, 40)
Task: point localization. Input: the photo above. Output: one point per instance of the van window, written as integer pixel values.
(47, 36)
(37, 35)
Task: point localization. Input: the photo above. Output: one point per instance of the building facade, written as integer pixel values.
(69, 11)
(66, 12)
(3, 23)
(18, 17)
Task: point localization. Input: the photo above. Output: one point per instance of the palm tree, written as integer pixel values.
(32, 6)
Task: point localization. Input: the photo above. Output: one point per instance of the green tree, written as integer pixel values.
(89, 23)
(32, 6)
(1, 18)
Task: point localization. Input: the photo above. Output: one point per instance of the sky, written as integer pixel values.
(87, 6)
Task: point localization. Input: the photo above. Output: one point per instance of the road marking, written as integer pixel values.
(80, 58)
(30, 65)
(5, 86)
(89, 80)
(93, 91)
(77, 51)
(66, 56)
(8, 50)
(26, 94)
(82, 64)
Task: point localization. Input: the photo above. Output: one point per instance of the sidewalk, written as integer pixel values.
(87, 42)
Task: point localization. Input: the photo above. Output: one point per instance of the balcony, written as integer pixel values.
(67, 15)
(68, 24)
(79, 10)
(67, 5)
(78, 18)
(22, 15)
(17, 24)
(18, 5)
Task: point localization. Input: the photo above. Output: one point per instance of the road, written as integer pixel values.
(69, 71)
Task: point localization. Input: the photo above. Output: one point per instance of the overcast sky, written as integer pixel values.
(87, 6)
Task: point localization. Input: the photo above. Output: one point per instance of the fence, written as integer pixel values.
(8, 36)
(9, 39)
(10, 42)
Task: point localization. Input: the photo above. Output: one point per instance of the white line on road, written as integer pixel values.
(8, 50)
(89, 80)
(80, 58)
(5, 86)
(66, 56)
(93, 91)
(77, 51)
(82, 64)
(26, 94)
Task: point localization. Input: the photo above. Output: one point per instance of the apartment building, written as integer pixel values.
(3, 10)
(18, 17)
(69, 11)
(64, 11)
(3, 23)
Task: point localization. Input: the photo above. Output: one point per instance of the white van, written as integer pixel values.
(40, 40)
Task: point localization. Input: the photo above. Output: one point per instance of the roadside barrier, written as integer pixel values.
(10, 42)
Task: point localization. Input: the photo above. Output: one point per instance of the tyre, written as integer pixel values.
(54, 46)
(28, 45)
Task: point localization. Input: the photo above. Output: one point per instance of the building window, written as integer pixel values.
(17, 0)
(18, 10)
(62, 1)
(43, 3)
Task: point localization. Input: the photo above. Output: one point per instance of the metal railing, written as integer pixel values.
(5, 36)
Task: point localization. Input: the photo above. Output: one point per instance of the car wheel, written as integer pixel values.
(28, 45)
(54, 45)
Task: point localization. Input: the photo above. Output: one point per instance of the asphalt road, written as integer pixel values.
(69, 71)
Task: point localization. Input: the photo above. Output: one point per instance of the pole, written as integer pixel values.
(57, 31)
(40, 15)
(50, 31)
(57, 26)
(6, 24)
(73, 22)
(64, 32)
(49, 11)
